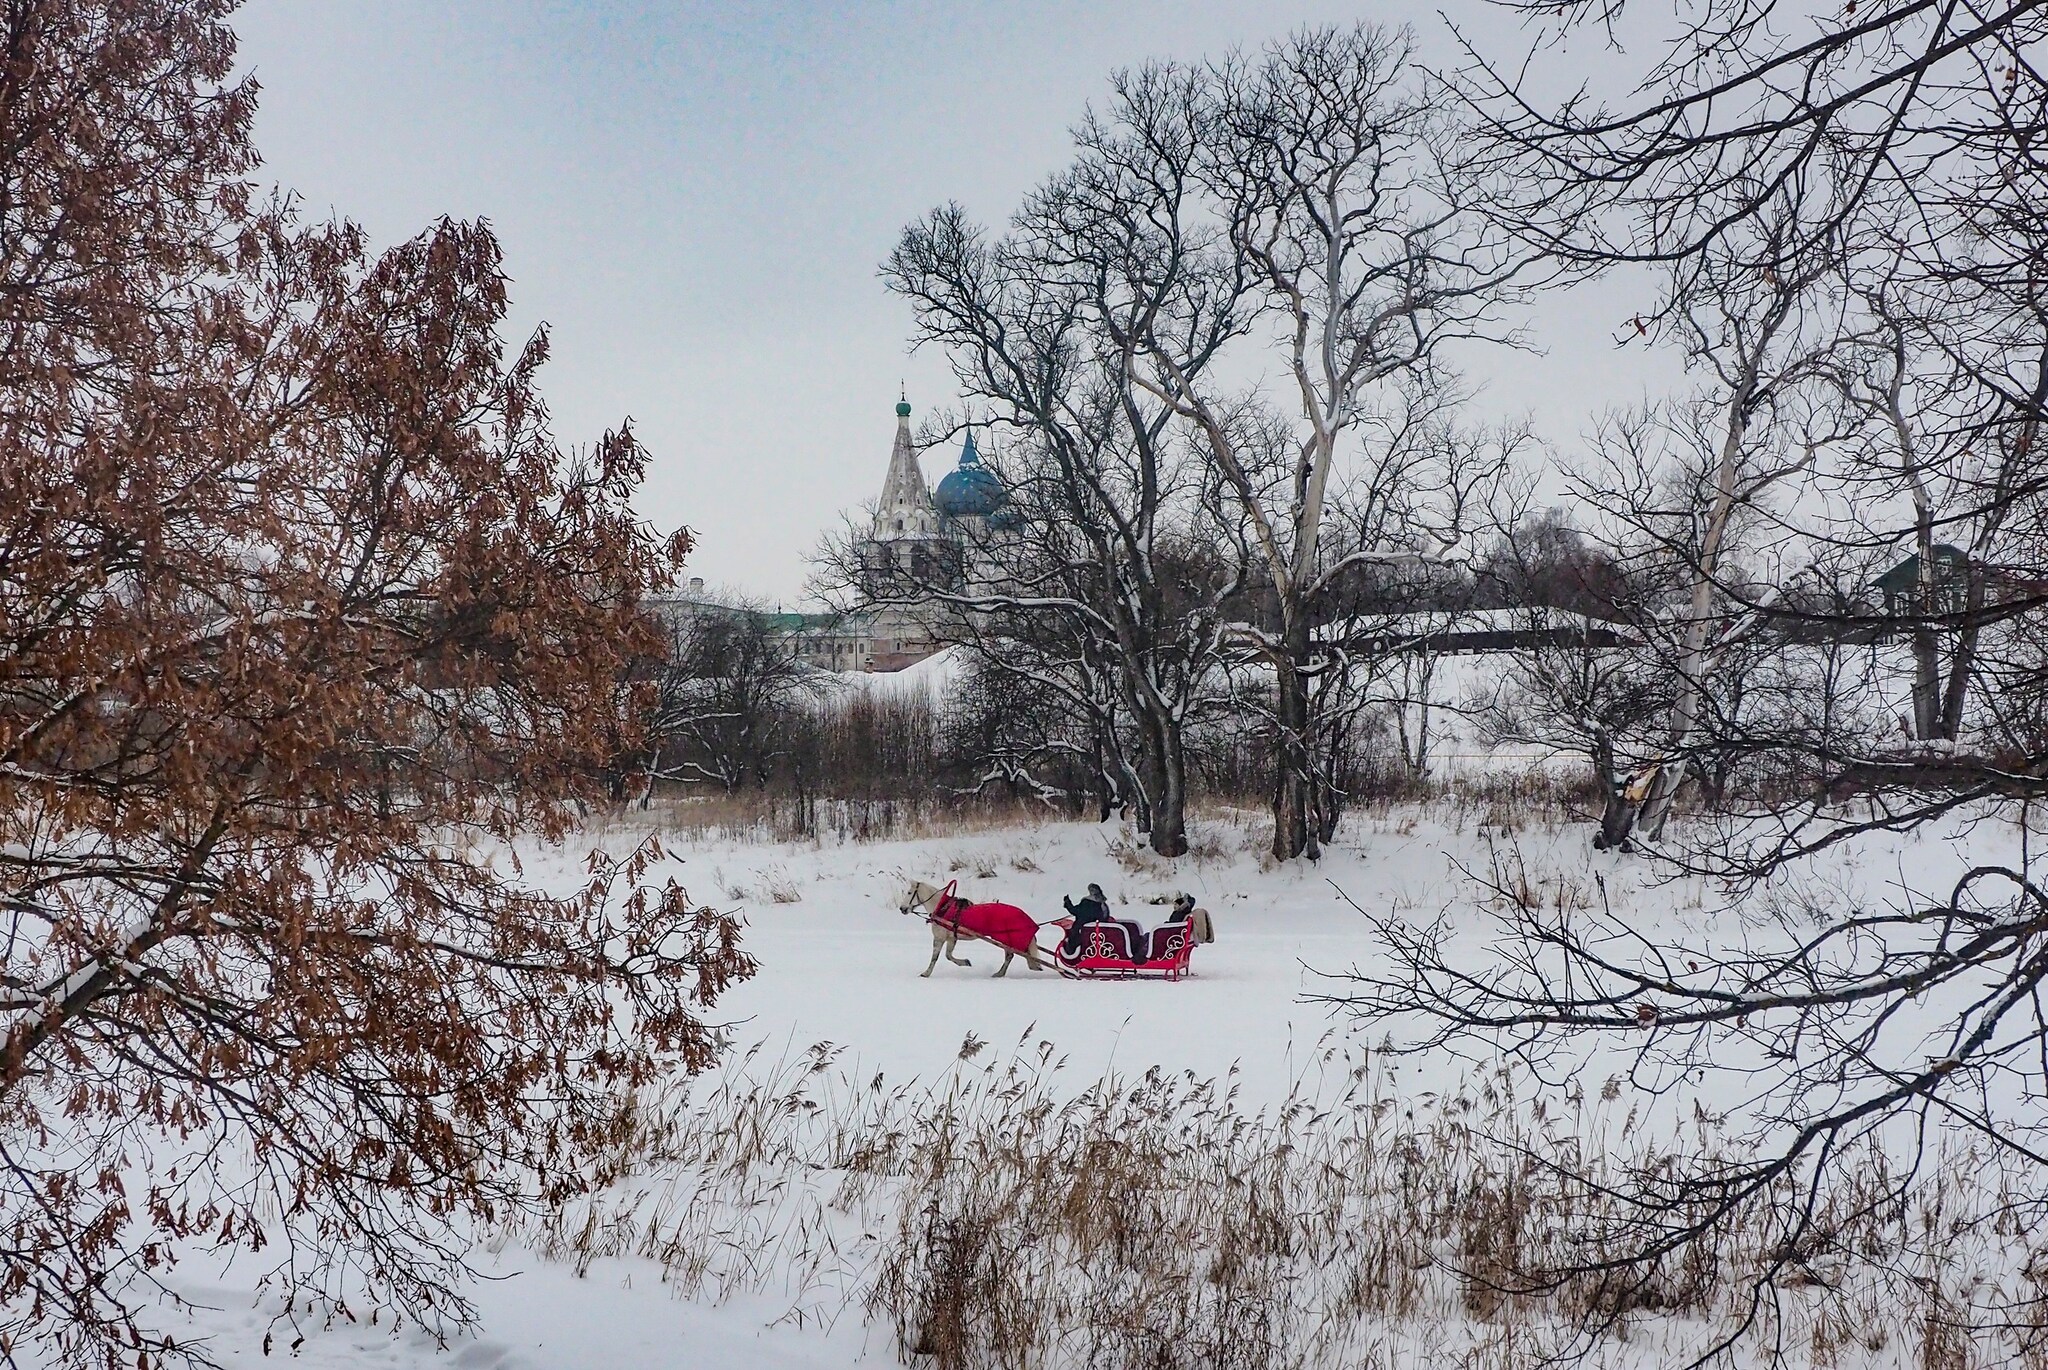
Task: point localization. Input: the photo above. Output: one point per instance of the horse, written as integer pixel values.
(953, 918)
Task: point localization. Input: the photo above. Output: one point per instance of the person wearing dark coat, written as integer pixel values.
(1183, 913)
(1093, 908)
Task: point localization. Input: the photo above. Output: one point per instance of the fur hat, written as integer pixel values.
(1096, 890)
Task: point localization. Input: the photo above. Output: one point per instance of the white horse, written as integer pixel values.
(923, 900)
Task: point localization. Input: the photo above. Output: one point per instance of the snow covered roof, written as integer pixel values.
(1442, 623)
(937, 673)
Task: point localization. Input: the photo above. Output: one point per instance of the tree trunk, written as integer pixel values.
(1163, 779)
(1614, 811)
(1694, 658)
(1105, 787)
(1926, 684)
(1327, 792)
(1293, 751)
(1963, 661)
(1418, 674)
(1169, 806)
(1137, 797)
(1927, 693)
(1693, 655)
(1926, 652)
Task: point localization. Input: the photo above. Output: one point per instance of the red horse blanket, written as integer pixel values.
(1005, 924)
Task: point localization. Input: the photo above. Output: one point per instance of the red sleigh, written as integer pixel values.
(1125, 951)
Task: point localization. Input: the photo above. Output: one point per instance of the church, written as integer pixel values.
(921, 536)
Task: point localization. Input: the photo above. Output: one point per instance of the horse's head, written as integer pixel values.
(920, 898)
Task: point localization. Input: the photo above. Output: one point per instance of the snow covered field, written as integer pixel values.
(840, 966)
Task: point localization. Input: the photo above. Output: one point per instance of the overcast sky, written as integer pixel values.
(696, 197)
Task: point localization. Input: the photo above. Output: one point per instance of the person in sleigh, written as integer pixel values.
(1186, 916)
(1093, 908)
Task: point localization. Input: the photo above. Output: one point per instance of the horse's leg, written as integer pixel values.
(1031, 956)
(938, 941)
(1008, 956)
(953, 945)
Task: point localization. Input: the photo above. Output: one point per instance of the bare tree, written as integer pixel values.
(1582, 686)
(1295, 202)
(1324, 187)
(1884, 164)
(1104, 574)
(1905, 134)
(1014, 731)
(1740, 104)
(1760, 320)
(728, 686)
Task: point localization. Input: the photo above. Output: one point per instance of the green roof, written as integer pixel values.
(796, 623)
(1949, 562)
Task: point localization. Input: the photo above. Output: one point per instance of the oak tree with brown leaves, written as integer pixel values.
(304, 617)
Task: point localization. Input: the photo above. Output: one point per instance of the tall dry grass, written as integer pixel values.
(998, 1218)
(753, 817)
(1220, 828)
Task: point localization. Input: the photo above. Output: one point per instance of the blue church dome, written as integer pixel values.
(970, 490)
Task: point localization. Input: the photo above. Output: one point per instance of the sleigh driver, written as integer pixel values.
(1093, 908)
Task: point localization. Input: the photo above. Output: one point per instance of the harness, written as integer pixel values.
(948, 907)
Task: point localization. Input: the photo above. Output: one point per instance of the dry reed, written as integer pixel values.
(994, 1218)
